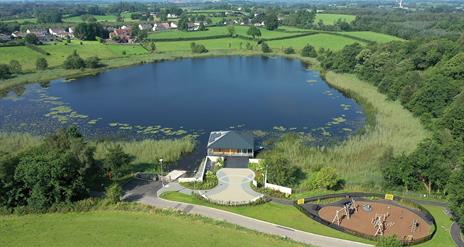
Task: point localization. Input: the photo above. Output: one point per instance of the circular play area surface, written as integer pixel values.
(376, 218)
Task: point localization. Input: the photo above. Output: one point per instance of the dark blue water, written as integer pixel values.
(190, 96)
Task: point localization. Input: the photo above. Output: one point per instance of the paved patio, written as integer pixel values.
(233, 187)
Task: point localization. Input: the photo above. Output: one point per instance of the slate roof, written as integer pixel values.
(230, 139)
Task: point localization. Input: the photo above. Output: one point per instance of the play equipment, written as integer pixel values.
(379, 222)
(348, 209)
(414, 226)
(367, 207)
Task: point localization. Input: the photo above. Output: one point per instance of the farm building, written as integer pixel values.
(230, 143)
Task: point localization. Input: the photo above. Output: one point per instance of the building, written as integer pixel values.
(122, 35)
(60, 33)
(41, 34)
(230, 144)
(146, 26)
(4, 37)
(172, 16)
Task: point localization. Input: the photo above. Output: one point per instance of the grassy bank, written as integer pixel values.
(275, 213)
(122, 228)
(358, 159)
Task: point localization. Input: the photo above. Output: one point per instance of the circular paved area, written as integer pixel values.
(233, 187)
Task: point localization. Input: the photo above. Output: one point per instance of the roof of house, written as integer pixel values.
(230, 139)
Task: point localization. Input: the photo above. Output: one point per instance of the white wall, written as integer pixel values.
(276, 187)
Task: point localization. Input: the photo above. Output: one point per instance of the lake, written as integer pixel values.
(171, 99)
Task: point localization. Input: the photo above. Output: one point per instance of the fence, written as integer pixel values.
(311, 210)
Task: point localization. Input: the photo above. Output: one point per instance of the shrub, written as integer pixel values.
(265, 48)
(289, 50)
(308, 51)
(198, 48)
(74, 61)
(41, 63)
(92, 62)
(15, 67)
(390, 241)
(5, 71)
(326, 178)
(114, 193)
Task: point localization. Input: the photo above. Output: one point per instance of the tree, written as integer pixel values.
(453, 118)
(5, 71)
(183, 23)
(202, 27)
(8, 163)
(254, 32)
(41, 63)
(271, 22)
(198, 48)
(152, 47)
(308, 51)
(74, 61)
(231, 30)
(279, 171)
(116, 162)
(49, 17)
(15, 67)
(390, 241)
(265, 48)
(456, 195)
(89, 31)
(31, 38)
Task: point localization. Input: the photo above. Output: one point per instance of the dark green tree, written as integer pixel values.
(265, 47)
(390, 241)
(5, 71)
(308, 51)
(90, 31)
(231, 30)
(92, 62)
(254, 32)
(183, 23)
(74, 61)
(279, 171)
(31, 38)
(456, 195)
(41, 63)
(117, 162)
(271, 22)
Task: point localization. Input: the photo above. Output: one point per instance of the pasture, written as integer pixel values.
(330, 19)
(373, 36)
(59, 51)
(123, 228)
(322, 40)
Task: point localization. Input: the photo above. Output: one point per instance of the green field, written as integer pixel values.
(60, 50)
(330, 19)
(101, 18)
(373, 36)
(322, 40)
(120, 228)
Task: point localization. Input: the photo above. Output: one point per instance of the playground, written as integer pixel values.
(371, 217)
(377, 219)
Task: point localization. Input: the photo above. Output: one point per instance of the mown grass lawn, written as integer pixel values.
(442, 237)
(172, 34)
(120, 228)
(330, 19)
(275, 213)
(373, 36)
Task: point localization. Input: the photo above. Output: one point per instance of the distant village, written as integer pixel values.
(124, 33)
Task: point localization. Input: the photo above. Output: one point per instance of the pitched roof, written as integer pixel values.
(230, 139)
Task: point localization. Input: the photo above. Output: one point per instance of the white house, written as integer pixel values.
(172, 25)
(172, 16)
(146, 26)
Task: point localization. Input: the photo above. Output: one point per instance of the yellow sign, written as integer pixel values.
(389, 197)
(300, 201)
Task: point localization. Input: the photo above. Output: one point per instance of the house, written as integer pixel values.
(230, 144)
(60, 33)
(193, 26)
(161, 26)
(41, 34)
(172, 25)
(17, 34)
(145, 26)
(122, 35)
(259, 24)
(172, 16)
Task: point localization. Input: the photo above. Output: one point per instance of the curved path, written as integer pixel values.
(234, 187)
(145, 192)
